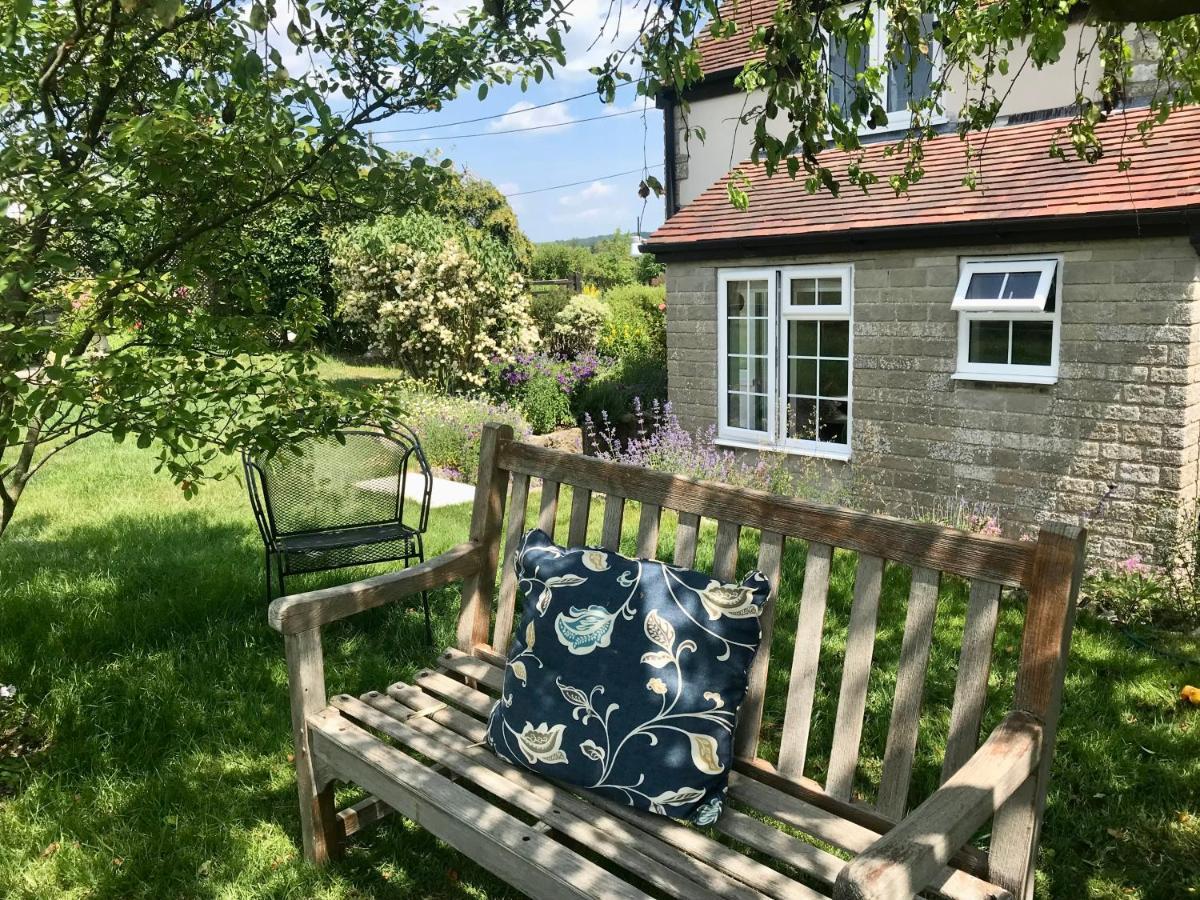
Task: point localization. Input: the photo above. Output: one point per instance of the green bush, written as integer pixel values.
(637, 325)
(612, 393)
(544, 306)
(434, 297)
(544, 404)
(578, 326)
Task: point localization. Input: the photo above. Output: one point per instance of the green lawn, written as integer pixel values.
(132, 623)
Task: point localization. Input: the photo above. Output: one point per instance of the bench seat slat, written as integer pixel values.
(647, 536)
(725, 552)
(505, 845)
(581, 507)
(685, 540)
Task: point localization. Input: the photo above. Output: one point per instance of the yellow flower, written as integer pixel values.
(657, 685)
(1191, 694)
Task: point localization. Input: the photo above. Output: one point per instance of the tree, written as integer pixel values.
(140, 144)
(981, 46)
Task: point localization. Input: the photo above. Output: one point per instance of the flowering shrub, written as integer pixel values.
(578, 326)
(637, 323)
(432, 298)
(543, 385)
(1128, 592)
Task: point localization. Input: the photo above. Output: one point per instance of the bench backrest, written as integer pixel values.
(1047, 571)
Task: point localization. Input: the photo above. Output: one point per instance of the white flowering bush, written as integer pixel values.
(578, 326)
(438, 300)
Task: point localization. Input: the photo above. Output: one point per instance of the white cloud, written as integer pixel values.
(524, 115)
(589, 194)
(598, 29)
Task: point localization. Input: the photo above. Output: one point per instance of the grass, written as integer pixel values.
(133, 625)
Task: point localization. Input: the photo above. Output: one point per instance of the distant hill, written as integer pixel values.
(592, 241)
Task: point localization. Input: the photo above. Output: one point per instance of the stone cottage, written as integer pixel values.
(1027, 349)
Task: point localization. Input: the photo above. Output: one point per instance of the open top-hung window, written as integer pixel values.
(785, 358)
(1008, 319)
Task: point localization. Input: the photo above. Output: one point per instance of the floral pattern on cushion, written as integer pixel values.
(626, 676)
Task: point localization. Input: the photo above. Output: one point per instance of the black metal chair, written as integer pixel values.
(336, 503)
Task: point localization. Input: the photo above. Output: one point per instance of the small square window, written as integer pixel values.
(1006, 286)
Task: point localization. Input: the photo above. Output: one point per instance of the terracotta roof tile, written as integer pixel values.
(1018, 180)
(717, 54)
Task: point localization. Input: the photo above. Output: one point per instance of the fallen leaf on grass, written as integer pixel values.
(50, 850)
(1191, 694)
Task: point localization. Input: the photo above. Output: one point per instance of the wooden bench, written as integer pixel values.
(418, 749)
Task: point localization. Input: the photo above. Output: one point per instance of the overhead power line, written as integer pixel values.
(496, 133)
(558, 187)
(496, 115)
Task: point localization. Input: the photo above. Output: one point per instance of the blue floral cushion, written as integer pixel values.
(626, 676)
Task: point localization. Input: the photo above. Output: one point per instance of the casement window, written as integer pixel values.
(902, 86)
(784, 346)
(1008, 319)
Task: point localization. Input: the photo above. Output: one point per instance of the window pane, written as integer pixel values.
(985, 286)
(802, 419)
(758, 336)
(758, 298)
(804, 292)
(802, 376)
(758, 373)
(831, 426)
(842, 71)
(737, 336)
(802, 338)
(904, 85)
(835, 378)
(1032, 343)
(830, 292)
(739, 373)
(737, 410)
(760, 414)
(988, 342)
(737, 298)
(1052, 296)
(1021, 285)
(835, 339)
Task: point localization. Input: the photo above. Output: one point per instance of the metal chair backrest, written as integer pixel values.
(326, 484)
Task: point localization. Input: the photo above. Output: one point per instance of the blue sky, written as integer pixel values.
(575, 152)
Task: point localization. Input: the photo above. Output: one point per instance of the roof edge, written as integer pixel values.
(1180, 220)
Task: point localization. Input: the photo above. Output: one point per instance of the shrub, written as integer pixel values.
(637, 324)
(431, 296)
(578, 326)
(544, 306)
(614, 392)
(544, 403)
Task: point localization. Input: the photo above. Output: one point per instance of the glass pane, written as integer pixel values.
(802, 338)
(988, 342)
(804, 292)
(802, 376)
(843, 67)
(758, 373)
(835, 339)
(758, 298)
(985, 286)
(760, 414)
(737, 336)
(1021, 285)
(739, 373)
(737, 410)
(758, 336)
(1052, 296)
(1032, 343)
(835, 378)
(904, 85)
(830, 292)
(835, 417)
(737, 298)
(802, 419)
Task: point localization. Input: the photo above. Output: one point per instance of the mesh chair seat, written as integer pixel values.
(358, 498)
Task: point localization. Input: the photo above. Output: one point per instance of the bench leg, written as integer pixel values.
(306, 684)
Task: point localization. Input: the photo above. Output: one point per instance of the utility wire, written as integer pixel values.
(496, 115)
(558, 187)
(475, 134)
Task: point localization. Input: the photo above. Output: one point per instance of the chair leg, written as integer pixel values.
(279, 574)
(267, 561)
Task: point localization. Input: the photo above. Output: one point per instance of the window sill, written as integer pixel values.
(1005, 378)
(840, 455)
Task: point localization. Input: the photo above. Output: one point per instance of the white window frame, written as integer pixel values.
(744, 436)
(780, 312)
(970, 268)
(1006, 311)
(876, 57)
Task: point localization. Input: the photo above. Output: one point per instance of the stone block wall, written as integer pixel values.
(1115, 442)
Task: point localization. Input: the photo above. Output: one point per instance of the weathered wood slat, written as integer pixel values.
(491, 837)
(910, 686)
(556, 811)
(685, 539)
(647, 536)
(548, 508)
(1005, 561)
(488, 675)
(475, 616)
(802, 684)
(770, 559)
(361, 815)
(581, 507)
(970, 686)
(464, 733)
(507, 601)
(725, 552)
(852, 700)
(614, 513)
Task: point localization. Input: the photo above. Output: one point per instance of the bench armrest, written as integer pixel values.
(301, 612)
(909, 856)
